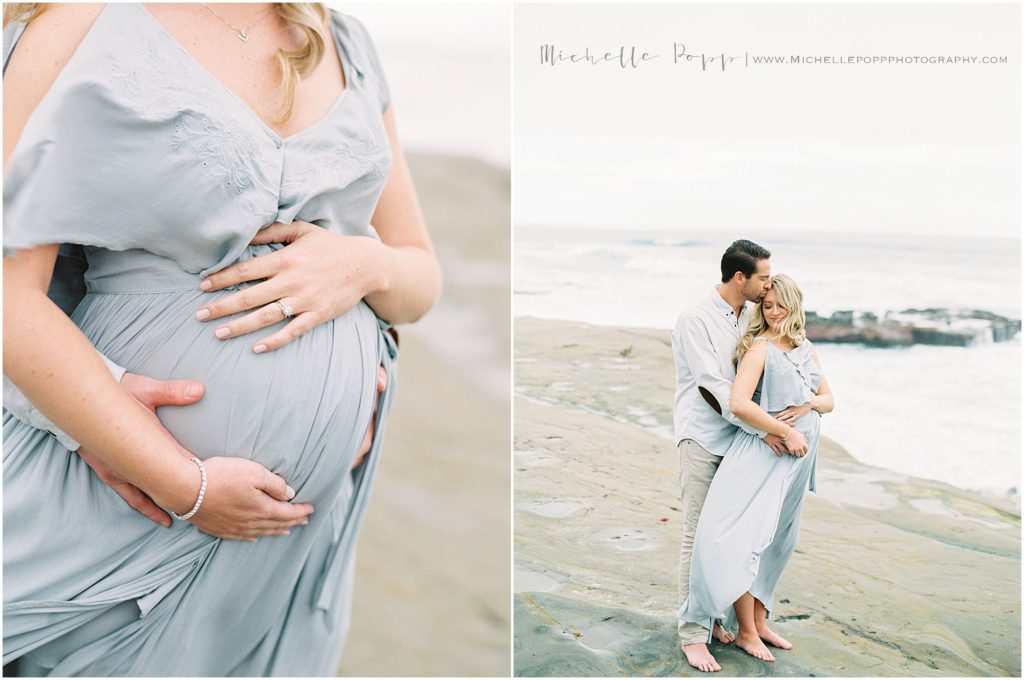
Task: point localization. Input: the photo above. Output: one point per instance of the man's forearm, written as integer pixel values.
(695, 344)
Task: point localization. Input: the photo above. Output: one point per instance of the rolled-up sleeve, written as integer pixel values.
(706, 369)
(18, 405)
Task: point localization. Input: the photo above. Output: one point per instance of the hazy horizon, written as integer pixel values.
(540, 230)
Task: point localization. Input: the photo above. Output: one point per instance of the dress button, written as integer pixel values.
(278, 144)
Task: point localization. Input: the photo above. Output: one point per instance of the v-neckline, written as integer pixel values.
(345, 72)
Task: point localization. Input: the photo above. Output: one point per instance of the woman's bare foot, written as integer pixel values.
(722, 635)
(752, 645)
(698, 656)
(773, 638)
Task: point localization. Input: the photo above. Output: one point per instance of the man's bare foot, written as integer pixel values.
(773, 638)
(752, 645)
(722, 635)
(698, 656)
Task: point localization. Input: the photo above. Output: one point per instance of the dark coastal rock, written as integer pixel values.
(937, 326)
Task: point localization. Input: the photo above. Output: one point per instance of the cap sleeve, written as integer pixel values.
(61, 179)
(12, 32)
(100, 161)
(362, 54)
(54, 189)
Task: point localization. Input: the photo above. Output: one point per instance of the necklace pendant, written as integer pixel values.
(243, 36)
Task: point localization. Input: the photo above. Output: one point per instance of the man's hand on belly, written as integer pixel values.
(151, 394)
(776, 443)
(254, 503)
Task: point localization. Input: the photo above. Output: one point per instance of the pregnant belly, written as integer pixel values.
(301, 411)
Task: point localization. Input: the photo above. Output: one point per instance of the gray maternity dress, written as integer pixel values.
(749, 524)
(141, 156)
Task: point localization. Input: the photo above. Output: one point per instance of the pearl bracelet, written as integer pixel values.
(202, 492)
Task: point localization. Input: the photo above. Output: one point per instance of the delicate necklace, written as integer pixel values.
(243, 33)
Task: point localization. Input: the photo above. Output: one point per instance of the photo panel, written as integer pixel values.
(283, 229)
(873, 152)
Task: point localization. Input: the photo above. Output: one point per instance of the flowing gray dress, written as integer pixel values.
(141, 156)
(751, 518)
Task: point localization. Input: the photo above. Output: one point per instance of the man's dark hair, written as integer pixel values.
(742, 256)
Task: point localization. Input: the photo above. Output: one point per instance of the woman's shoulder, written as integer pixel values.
(810, 352)
(806, 346)
(362, 53)
(759, 346)
(35, 53)
(44, 44)
(351, 27)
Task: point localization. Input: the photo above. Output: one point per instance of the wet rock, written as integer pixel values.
(936, 326)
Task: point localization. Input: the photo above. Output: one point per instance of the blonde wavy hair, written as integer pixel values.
(789, 297)
(309, 18)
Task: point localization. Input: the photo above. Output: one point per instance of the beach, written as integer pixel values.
(432, 562)
(894, 575)
(641, 278)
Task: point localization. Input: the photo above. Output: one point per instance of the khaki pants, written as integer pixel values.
(697, 468)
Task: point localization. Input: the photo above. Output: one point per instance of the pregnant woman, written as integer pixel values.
(180, 146)
(749, 524)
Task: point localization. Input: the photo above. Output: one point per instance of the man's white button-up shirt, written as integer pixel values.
(703, 344)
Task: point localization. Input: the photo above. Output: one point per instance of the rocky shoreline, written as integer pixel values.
(893, 575)
(938, 326)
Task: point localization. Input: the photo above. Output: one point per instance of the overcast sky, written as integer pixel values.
(917, 148)
(448, 69)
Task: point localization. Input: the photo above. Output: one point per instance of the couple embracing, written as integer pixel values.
(749, 394)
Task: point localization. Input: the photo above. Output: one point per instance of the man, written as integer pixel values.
(703, 344)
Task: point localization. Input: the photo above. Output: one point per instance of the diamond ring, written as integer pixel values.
(286, 309)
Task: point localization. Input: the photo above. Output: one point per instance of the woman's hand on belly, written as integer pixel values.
(245, 501)
(796, 442)
(317, 277)
(321, 275)
(254, 505)
(793, 413)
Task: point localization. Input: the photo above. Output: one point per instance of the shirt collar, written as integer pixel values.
(722, 306)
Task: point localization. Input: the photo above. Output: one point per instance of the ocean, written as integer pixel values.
(945, 413)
